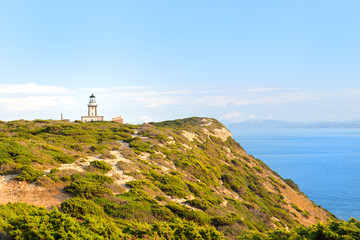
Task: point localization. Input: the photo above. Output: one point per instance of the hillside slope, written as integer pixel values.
(188, 171)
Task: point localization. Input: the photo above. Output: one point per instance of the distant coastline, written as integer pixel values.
(275, 124)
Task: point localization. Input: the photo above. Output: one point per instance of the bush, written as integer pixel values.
(160, 198)
(233, 183)
(62, 157)
(222, 221)
(292, 184)
(140, 146)
(48, 225)
(87, 188)
(162, 213)
(171, 185)
(190, 215)
(139, 183)
(200, 204)
(101, 166)
(139, 195)
(98, 177)
(29, 174)
(79, 207)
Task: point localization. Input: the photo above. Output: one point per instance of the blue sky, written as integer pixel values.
(158, 60)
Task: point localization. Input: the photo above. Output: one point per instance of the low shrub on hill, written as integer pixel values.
(140, 145)
(38, 223)
(292, 184)
(223, 221)
(79, 207)
(23, 221)
(169, 184)
(89, 186)
(198, 217)
(335, 230)
(200, 204)
(62, 157)
(29, 174)
(138, 195)
(101, 166)
(139, 183)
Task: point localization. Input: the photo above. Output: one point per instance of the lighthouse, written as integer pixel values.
(92, 106)
(92, 111)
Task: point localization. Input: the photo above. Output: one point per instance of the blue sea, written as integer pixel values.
(325, 163)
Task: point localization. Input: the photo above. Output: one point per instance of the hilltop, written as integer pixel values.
(185, 178)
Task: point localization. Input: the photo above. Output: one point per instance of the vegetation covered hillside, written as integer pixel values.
(181, 179)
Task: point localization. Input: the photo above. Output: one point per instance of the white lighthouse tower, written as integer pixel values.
(92, 111)
(92, 106)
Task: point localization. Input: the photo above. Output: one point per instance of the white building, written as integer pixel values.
(92, 111)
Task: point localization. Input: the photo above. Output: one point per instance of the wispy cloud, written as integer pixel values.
(235, 117)
(256, 98)
(34, 103)
(34, 97)
(265, 90)
(31, 88)
(216, 97)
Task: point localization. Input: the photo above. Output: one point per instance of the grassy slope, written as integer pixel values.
(187, 171)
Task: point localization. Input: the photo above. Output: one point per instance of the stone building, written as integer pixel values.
(92, 111)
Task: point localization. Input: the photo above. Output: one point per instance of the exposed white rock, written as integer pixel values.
(189, 135)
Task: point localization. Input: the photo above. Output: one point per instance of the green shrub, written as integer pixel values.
(29, 174)
(162, 213)
(292, 184)
(190, 215)
(171, 185)
(99, 177)
(94, 177)
(40, 224)
(233, 183)
(99, 148)
(139, 195)
(200, 204)
(128, 210)
(222, 221)
(62, 157)
(79, 207)
(139, 183)
(101, 166)
(55, 129)
(125, 136)
(55, 170)
(140, 146)
(87, 188)
(160, 198)
(296, 207)
(54, 177)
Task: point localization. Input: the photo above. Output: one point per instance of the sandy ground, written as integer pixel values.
(12, 190)
(18, 191)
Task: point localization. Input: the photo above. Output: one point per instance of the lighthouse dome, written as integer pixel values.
(92, 99)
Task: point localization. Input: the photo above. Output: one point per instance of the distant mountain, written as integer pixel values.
(274, 124)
